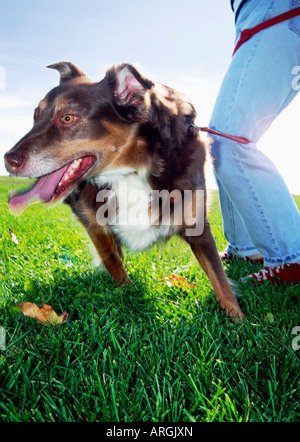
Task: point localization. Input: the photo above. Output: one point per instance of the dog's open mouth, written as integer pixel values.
(49, 188)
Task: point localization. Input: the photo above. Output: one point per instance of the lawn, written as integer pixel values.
(147, 352)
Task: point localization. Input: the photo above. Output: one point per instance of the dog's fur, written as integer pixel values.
(129, 129)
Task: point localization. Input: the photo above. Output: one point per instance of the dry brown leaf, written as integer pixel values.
(13, 236)
(45, 314)
(179, 281)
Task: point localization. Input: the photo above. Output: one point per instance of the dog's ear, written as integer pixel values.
(129, 86)
(67, 70)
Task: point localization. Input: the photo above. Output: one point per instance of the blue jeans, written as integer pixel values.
(259, 214)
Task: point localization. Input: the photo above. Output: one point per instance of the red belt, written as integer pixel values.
(246, 34)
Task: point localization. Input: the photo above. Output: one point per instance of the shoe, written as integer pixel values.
(230, 257)
(286, 273)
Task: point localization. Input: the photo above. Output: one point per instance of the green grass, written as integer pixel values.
(141, 353)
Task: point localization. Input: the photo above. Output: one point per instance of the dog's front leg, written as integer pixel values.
(83, 203)
(107, 249)
(205, 250)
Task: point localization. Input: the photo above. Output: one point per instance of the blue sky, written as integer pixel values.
(186, 45)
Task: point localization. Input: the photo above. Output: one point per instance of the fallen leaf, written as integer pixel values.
(270, 318)
(13, 236)
(46, 315)
(179, 281)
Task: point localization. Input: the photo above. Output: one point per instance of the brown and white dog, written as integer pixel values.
(119, 135)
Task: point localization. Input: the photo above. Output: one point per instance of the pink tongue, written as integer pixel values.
(42, 191)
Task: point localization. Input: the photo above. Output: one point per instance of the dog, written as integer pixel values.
(92, 143)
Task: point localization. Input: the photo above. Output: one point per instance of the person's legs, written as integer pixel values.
(239, 241)
(258, 211)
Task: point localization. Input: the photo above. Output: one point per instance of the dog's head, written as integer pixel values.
(82, 128)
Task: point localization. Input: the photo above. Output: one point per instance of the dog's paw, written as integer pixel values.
(125, 282)
(235, 313)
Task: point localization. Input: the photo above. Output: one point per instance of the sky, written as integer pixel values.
(185, 45)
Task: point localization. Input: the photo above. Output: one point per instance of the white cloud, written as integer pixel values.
(15, 122)
(281, 144)
(8, 101)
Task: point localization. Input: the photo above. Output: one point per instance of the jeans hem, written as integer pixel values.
(242, 251)
(288, 259)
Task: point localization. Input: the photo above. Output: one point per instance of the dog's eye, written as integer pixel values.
(68, 119)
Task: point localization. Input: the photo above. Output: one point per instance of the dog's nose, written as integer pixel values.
(13, 161)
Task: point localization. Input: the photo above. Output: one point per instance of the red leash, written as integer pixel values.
(241, 140)
(246, 34)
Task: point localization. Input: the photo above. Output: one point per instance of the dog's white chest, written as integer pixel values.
(132, 221)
